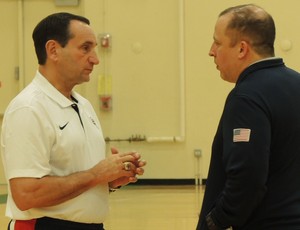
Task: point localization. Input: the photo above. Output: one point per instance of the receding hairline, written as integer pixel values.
(259, 12)
(239, 8)
(233, 28)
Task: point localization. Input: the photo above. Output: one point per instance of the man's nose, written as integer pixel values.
(211, 52)
(94, 59)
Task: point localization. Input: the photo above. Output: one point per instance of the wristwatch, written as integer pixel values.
(114, 189)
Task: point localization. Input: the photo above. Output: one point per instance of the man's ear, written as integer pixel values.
(243, 49)
(52, 50)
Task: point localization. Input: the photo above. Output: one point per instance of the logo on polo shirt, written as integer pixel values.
(93, 121)
(62, 127)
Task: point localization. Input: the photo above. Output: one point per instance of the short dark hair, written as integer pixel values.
(56, 27)
(258, 28)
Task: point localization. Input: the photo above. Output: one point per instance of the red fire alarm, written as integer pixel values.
(106, 102)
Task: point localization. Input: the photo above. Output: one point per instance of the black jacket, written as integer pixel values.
(255, 184)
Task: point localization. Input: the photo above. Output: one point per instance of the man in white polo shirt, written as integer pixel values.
(52, 144)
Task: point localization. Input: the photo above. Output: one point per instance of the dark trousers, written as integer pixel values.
(46, 223)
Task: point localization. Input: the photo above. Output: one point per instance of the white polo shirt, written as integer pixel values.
(43, 135)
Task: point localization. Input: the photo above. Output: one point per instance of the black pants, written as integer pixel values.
(46, 223)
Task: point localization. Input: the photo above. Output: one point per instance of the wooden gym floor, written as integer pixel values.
(138, 207)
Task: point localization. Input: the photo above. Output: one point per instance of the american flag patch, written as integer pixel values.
(241, 135)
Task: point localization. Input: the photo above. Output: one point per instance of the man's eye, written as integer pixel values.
(86, 48)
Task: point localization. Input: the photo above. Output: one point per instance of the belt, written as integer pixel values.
(47, 223)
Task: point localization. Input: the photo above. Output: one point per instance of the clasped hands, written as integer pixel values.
(131, 167)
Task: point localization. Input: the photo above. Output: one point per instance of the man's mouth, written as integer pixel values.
(89, 70)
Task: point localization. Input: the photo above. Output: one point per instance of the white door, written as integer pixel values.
(9, 84)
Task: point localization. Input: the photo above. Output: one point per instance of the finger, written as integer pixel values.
(132, 179)
(125, 158)
(139, 171)
(114, 150)
(134, 154)
(142, 163)
(137, 155)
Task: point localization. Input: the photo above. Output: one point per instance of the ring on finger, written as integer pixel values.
(127, 166)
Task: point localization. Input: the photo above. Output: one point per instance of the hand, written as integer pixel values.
(112, 168)
(136, 167)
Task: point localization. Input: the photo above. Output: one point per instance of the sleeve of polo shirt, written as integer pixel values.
(27, 138)
(246, 162)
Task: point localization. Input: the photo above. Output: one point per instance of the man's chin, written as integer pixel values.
(86, 78)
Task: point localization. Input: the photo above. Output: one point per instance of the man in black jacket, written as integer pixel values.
(254, 177)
